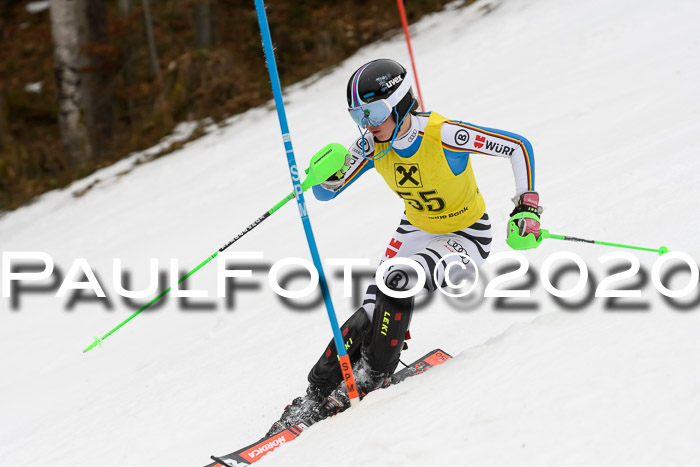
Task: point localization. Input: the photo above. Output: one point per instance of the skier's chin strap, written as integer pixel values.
(393, 136)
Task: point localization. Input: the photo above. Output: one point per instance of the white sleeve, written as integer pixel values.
(464, 137)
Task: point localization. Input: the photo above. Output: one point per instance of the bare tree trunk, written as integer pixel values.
(206, 30)
(5, 136)
(67, 20)
(130, 47)
(99, 105)
(125, 7)
(152, 53)
(83, 83)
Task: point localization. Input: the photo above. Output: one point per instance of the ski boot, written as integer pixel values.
(307, 409)
(366, 380)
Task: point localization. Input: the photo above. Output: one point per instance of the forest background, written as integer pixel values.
(84, 83)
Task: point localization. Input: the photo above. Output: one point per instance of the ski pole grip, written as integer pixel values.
(325, 163)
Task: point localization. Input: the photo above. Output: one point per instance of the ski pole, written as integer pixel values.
(545, 234)
(344, 359)
(323, 164)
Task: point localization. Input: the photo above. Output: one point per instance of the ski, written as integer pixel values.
(257, 450)
(423, 364)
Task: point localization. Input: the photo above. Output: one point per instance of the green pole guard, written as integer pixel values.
(515, 240)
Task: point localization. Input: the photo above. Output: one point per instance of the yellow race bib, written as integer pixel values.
(437, 201)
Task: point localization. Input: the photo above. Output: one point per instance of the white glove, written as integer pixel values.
(336, 181)
(528, 202)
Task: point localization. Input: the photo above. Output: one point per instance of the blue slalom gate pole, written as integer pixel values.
(345, 365)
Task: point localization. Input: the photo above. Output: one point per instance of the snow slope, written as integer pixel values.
(607, 93)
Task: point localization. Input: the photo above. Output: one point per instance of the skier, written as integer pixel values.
(425, 159)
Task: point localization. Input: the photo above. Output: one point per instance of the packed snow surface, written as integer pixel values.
(607, 93)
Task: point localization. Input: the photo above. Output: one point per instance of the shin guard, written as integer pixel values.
(390, 322)
(326, 374)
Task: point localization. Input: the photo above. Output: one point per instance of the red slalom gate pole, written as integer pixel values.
(404, 23)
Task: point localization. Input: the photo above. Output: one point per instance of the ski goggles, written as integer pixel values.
(372, 114)
(375, 113)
